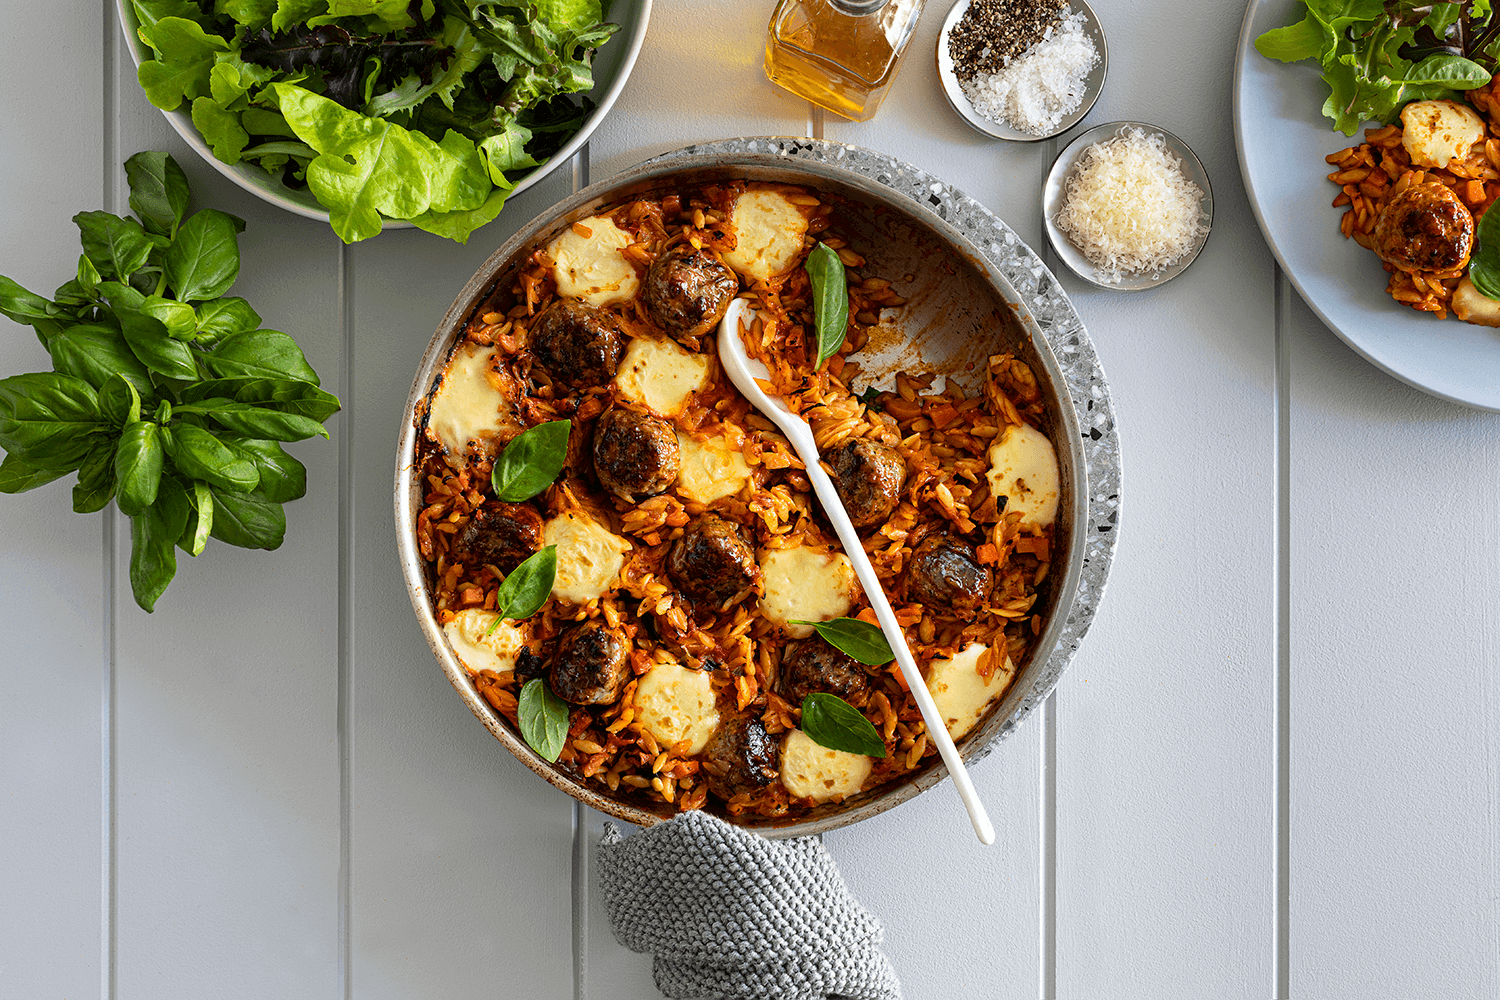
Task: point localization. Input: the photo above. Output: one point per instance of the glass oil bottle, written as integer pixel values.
(840, 54)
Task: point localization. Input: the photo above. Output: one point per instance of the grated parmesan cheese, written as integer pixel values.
(1129, 208)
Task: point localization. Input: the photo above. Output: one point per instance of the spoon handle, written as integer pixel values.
(937, 728)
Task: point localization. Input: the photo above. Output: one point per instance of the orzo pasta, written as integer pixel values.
(689, 543)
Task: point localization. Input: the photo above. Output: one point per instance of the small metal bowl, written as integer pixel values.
(1055, 189)
(1093, 84)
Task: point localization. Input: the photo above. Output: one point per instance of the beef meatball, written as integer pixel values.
(577, 344)
(591, 664)
(688, 291)
(869, 477)
(635, 454)
(943, 574)
(816, 666)
(1424, 228)
(740, 757)
(501, 534)
(710, 562)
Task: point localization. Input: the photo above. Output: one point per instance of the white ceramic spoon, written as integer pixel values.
(743, 372)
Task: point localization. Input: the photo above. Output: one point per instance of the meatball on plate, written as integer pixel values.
(669, 583)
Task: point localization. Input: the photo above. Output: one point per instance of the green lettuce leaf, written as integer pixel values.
(368, 167)
(184, 59)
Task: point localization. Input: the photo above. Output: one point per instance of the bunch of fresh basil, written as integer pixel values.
(165, 394)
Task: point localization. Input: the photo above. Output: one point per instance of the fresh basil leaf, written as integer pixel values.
(47, 419)
(153, 561)
(119, 402)
(832, 722)
(544, 719)
(96, 479)
(830, 300)
(200, 455)
(200, 524)
(204, 259)
(260, 354)
(248, 520)
(139, 459)
(118, 247)
(527, 588)
(225, 316)
(96, 353)
(88, 275)
(158, 191)
(257, 421)
(282, 478)
(150, 342)
(859, 640)
(531, 461)
(1484, 264)
(20, 305)
(17, 476)
(178, 317)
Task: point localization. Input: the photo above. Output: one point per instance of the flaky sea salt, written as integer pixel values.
(1037, 89)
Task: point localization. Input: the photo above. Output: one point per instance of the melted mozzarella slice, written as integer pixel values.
(809, 770)
(768, 232)
(591, 267)
(589, 557)
(710, 469)
(1435, 133)
(661, 375)
(468, 410)
(961, 695)
(477, 650)
(674, 703)
(805, 585)
(1023, 469)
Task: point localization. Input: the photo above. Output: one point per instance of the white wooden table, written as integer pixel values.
(1270, 772)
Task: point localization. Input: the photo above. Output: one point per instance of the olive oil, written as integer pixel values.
(840, 54)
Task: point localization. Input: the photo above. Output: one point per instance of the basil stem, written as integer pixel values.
(830, 300)
(830, 721)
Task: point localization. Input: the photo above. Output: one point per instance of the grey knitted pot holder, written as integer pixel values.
(727, 913)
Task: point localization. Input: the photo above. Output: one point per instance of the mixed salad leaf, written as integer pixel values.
(166, 395)
(423, 110)
(1378, 55)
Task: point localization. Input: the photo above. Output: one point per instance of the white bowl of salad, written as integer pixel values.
(372, 114)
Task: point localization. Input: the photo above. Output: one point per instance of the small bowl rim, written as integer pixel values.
(1053, 190)
(304, 203)
(960, 103)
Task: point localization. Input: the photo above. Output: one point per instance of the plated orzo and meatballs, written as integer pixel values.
(688, 554)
